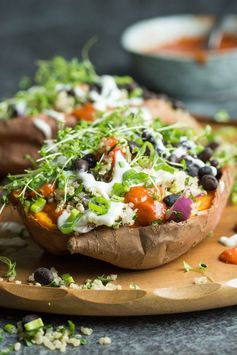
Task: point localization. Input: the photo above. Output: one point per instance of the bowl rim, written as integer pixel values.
(172, 56)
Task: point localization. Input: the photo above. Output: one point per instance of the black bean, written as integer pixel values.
(176, 104)
(219, 173)
(205, 170)
(170, 199)
(147, 94)
(173, 158)
(71, 92)
(29, 318)
(192, 170)
(96, 87)
(43, 276)
(132, 145)
(159, 151)
(213, 145)
(146, 136)
(209, 182)
(81, 165)
(130, 86)
(206, 154)
(91, 159)
(214, 163)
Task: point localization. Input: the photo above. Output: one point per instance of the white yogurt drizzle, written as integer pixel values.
(104, 188)
(44, 127)
(230, 242)
(90, 218)
(111, 95)
(57, 116)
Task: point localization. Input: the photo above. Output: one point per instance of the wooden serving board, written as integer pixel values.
(167, 289)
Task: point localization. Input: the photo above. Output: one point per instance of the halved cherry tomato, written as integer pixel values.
(148, 208)
(85, 112)
(229, 256)
(52, 211)
(112, 146)
(205, 201)
(47, 189)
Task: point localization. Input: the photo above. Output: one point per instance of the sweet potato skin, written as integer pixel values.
(137, 248)
(20, 137)
(152, 246)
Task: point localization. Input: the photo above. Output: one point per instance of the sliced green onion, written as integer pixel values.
(99, 205)
(131, 177)
(26, 206)
(68, 279)
(10, 328)
(83, 341)
(1, 335)
(11, 267)
(34, 324)
(71, 222)
(38, 205)
(72, 327)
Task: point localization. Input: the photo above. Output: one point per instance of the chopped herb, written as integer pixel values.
(222, 116)
(99, 205)
(11, 267)
(72, 327)
(68, 279)
(187, 267)
(1, 335)
(134, 286)
(10, 328)
(83, 341)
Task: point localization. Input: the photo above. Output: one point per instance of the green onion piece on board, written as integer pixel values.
(71, 222)
(38, 205)
(34, 324)
(68, 279)
(99, 205)
(72, 327)
(10, 328)
(26, 206)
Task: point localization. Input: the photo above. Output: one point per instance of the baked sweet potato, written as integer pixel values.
(20, 137)
(136, 248)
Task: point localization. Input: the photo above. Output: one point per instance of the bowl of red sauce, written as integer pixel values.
(169, 54)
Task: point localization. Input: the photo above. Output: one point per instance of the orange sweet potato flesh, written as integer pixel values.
(19, 137)
(136, 248)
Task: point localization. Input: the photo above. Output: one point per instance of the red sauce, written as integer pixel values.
(195, 46)
(229, 256)
(148, 208)
(85, 112)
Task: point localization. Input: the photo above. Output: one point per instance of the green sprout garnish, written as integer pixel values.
(202, 268)
(11, 268)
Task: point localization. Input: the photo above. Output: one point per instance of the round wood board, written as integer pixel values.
(166, 289)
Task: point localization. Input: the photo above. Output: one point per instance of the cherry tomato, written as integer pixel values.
(47, 189)
(148, 208)
(229, 256)
(85, 112)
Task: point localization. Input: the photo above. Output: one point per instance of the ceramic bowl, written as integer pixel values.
(181, 76)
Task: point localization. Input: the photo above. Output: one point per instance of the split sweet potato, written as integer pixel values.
(19, 137)
(136, 248)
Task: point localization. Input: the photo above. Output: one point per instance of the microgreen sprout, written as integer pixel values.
(11, 268)
(202, 268)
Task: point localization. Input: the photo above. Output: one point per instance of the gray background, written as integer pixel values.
(40, 29)
(33, 29)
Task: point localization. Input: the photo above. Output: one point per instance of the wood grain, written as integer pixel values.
(166, 289)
